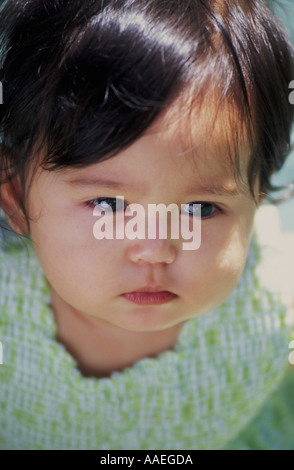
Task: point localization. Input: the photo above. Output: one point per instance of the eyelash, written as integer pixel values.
(215, 207)
(93, 203)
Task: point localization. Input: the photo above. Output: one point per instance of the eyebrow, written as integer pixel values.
(216, 189)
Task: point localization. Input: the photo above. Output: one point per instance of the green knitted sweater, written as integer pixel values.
(222, 386)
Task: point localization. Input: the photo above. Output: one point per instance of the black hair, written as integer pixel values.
(83, 79)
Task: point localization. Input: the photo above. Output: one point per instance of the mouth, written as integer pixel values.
(149, 296)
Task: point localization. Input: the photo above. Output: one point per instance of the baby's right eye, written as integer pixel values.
(108, 204)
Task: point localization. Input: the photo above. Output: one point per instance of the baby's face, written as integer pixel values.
(95, 277)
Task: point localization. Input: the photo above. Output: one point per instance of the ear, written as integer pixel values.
(11, 196)
(261, 198)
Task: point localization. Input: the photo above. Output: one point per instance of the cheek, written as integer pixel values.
(213, 271)
(71, 256)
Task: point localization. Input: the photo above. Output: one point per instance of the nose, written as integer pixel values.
(152, 251)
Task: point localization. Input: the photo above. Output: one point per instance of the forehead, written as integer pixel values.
(194, 143)
(213, 134)
(184, 148)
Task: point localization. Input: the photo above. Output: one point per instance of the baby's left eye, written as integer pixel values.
(205, 209)
(108, 204)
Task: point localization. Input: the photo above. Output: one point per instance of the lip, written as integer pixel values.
(149, 296)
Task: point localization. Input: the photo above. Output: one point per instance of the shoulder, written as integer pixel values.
(24, 291)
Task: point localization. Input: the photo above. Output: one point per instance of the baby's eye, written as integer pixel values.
(207, 209)
(108, 204)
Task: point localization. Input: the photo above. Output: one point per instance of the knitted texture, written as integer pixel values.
(200, 395)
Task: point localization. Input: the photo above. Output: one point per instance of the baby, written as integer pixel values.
(132, 342)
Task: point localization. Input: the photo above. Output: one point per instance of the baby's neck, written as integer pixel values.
(100, 348)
